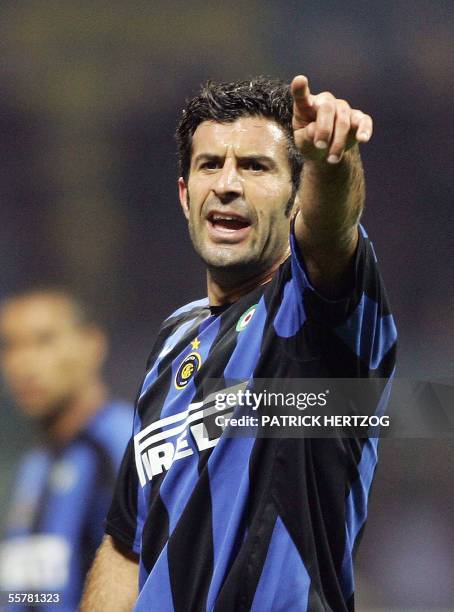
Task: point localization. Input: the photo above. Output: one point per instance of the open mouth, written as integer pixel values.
(224, 222)
(227, 228)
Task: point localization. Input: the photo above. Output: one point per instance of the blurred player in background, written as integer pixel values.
(52, 353)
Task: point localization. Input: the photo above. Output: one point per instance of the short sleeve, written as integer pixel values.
(360, 324)
(365, 275)
(121, 522)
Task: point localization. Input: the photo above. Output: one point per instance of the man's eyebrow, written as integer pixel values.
(206, 156)
(264, 159)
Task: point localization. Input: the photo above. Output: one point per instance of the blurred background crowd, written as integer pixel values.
(90, 93)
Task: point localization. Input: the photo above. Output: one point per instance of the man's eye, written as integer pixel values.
(210, 165)
(255, 166)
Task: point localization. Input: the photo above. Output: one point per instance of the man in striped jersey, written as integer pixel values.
(51, 356)
(202, 520)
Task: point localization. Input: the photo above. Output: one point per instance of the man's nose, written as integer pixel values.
(228, 183)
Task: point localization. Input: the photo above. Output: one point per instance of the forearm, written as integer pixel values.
(331, 199)
(112, 581)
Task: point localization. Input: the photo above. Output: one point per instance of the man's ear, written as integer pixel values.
(95, 346)
(183, 195)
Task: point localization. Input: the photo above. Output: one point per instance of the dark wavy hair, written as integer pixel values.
(227, 102)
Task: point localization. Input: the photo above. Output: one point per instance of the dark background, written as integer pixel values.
(90, 93)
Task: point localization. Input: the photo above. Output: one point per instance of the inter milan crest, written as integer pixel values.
(245, 318)
(188, 367)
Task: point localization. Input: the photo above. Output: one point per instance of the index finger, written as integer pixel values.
(301, 95)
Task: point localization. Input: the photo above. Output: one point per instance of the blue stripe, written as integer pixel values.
(112, 426)
(143, 573)
(157, 597)
(284, 583)
(143, 494)
(68, 509)
(356, 503)
(299, 272)
(178, 483)
(30, 481)
(228, 464)
(143, 497)
(367, 334)
(364, 234)
(229, 485)
(187, 307)
(169, 344)
(247, 351)
(174, 403)
(182, 477)
(291, 314)
(67, 505)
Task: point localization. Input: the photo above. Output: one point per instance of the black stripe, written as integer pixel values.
(238, 590)
(42, 502)
(121, 522)
(190, 551)
(315, 475)
(156, 527)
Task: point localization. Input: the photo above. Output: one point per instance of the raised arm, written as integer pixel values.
(112, 581)
(331, 196)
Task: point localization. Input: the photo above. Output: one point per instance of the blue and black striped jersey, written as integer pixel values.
(59, 505)
(250, 523)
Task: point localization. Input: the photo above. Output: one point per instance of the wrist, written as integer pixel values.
(319, 161)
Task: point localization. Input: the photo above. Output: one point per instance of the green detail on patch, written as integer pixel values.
(245, 318)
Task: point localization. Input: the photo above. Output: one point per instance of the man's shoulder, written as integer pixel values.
(192, 308)
(108, 432)
(114, 416)
(33, 462)
(183, 317)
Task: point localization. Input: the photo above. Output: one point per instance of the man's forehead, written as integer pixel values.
(38, 309)
(257, 133)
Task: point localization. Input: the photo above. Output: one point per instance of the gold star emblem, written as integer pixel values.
(195, 343)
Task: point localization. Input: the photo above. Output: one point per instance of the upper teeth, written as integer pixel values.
(223, 218)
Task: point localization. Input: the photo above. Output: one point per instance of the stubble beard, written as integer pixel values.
(228, 267)
(224, 263)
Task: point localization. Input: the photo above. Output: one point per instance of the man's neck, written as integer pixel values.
(70, 421)
(221, 293)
